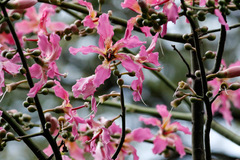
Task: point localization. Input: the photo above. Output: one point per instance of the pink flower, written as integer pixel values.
(75, 151)
(91, 20)
(110, 53)
(50, 52)
(9, 67)
(166, 135)
(100, 139)
(70, 112)
(137, 135)
(169, 9)
(39, 21)
(222, 103)
(85, 87)
(144, 56)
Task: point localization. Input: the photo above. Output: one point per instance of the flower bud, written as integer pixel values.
(186, 36)
(16, 16)
(47, 116)
(176, 102)
(188, 46)
(120, 81)
(132, 74)
(143, 6)
(49, 84)
(61, 119)
(209, 94)
(103, 98)
(22, 70)
(74, 29)
(30, 100)
(67, 30)
(9, 55)
(39, 61)
(183, 85)
(116, 72)
(4, 52)
(229, 73)
(210, 3)
(204, 29)
(140, 21)
(78, 23)
(210, 55)
(44, 91)
(20, 4)
(211, 37)
(179, 94)
(3, 133)
(47, 125)
(26, 104)
(58, 109)
(234, 86)
(36, 52)
(224, 85)
(32, 108)
(10, 136)
(26, 118)
(198, 73)
(67, 38)
(194, 99)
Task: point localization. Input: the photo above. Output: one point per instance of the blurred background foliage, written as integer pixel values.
(154, 90)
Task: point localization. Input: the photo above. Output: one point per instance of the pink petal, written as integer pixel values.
(131, 4)
(102, 73)
(128, 63)
(202, 3)
(88, 22)
(159, 145)
(36, 71)
(146, 30)
(85, 87)
(220, 18)
(136, 85)
(141, 134)
(86, 50)
(181, 128)
(162, 110)
(164, 30)
(94, 105)
(150, 121)
(57, 26)
(179, 146)
(53, 70)
(60, 91)
(171, 10)
(75, 152)
(153, 44)
(105, 29)
(37, 86)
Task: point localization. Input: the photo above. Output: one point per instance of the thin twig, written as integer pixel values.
(123, 125)
(220, 50)
(184, 61)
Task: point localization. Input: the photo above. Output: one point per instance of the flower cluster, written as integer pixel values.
(222, 104)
